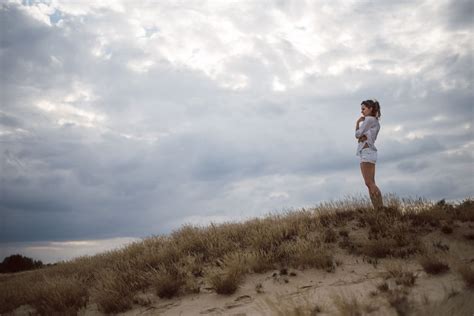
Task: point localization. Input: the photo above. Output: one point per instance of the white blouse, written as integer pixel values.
(370, 127)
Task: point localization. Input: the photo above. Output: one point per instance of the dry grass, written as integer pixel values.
(467, 273)
(400, 274)
(399, 301)
(459, 304)
(433, 264)
(303, 253)
(302, 305)
(60, 294)
(447, 229)
(383, 287)
(227, 278)
(469, 236)
(181, 262)
(260, 261)
(378, 248)
(352, 306)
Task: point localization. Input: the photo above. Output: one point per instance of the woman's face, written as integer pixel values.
(365, 110)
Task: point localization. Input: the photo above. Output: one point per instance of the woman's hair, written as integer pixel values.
(374, 106)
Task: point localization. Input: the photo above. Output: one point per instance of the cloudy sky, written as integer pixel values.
(124, 119)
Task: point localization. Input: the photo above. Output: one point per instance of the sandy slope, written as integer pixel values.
(353, 277)
(310, 287)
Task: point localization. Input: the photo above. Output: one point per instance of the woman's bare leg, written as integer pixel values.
(368, 172)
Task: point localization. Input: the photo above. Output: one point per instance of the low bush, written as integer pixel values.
(467, 273)
(432, 265)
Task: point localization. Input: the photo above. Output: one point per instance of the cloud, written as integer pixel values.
(412, 167)
(122, 120)
(54, 251)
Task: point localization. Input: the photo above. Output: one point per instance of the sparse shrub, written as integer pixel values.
(260, 261)
(190, 240)
(392, 212)
(112, 292)
(401, 275)
(227, 282)
(406, 278)
(303, 254)
(467, 273)
(227, 279)
(469, 236)
(464, 211)
(415, 246)
(292, 306)
(431, 217)
(447, 229)
(439, 245)
(344, 233)
(60, 295)
(142, 299)
(349, 245)
(167, 285)
(452, 292)
(177, 278)
(400, 233)
(399, 301)
(329, 235)
(378, 248)
(433, 265)
(352, 306)
(373, 261)
(379, 223)
(326, 219)
(383, 287)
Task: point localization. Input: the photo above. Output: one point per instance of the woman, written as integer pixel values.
(366, 150)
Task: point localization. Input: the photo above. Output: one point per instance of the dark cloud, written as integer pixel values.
(412, 166)
(459, 14)
(9, 120)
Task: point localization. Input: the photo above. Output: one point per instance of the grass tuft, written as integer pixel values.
(467, 273)
(352, 306)
(226, 280)
(399, 301)
(292, 306)
(433, 265)
(400, 274)
(378, 248)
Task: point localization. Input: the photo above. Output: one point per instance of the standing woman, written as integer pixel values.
(366, 150)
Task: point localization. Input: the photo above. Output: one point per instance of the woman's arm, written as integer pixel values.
(366, 125)
(358, 122)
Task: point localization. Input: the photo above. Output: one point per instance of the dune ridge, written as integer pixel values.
(413, 257)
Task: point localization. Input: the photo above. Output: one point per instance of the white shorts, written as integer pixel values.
(368, 155)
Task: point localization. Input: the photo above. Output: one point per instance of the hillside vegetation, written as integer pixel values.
(219, 257)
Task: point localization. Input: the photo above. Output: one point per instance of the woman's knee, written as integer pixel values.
(370, 184)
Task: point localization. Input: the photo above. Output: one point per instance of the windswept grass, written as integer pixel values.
(467, 273)
(352, 306)
(432, 264)
(400, 274)
(221, 255)
(291, 306)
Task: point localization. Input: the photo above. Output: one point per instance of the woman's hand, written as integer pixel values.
(358, 122)
(362, 138)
